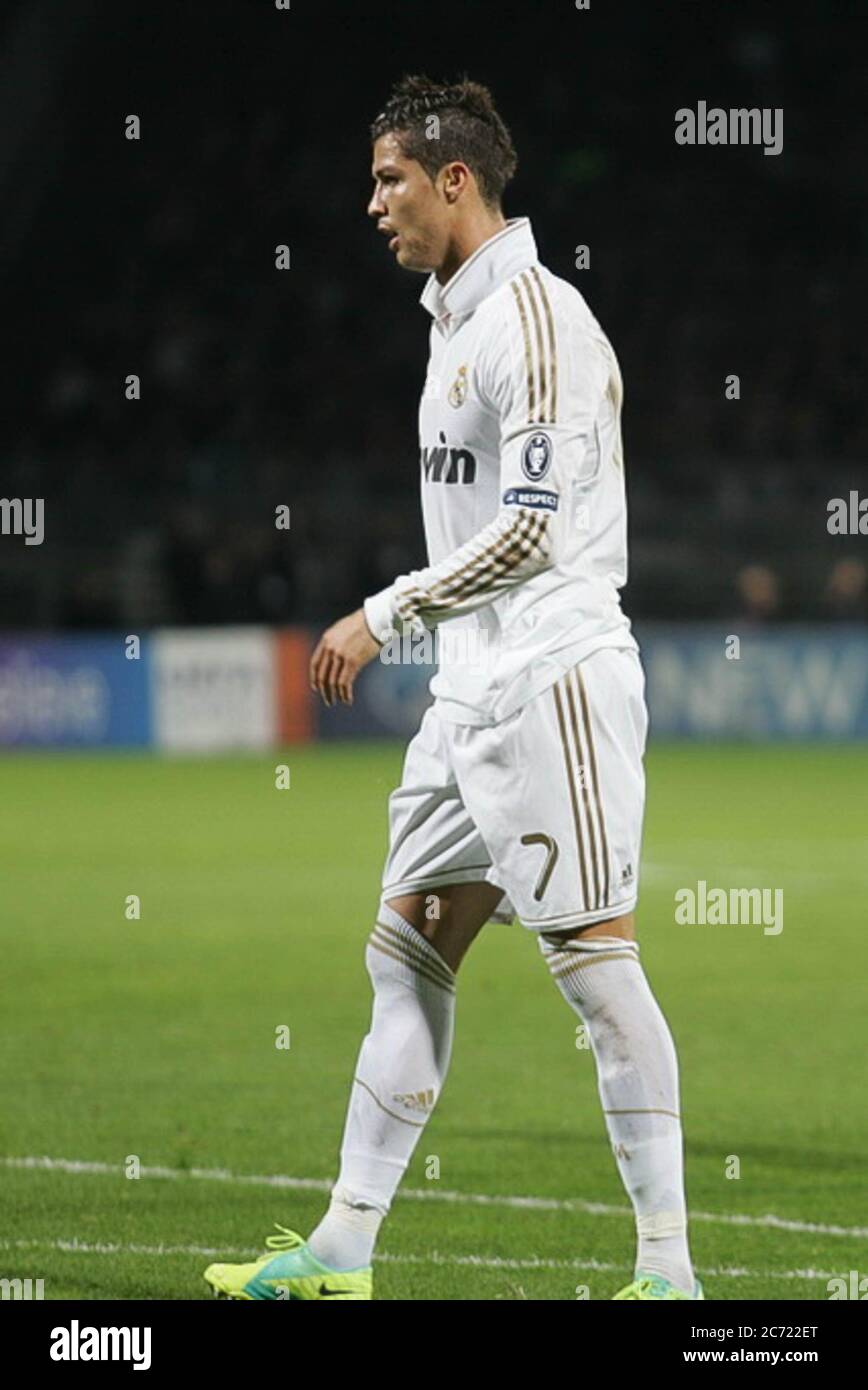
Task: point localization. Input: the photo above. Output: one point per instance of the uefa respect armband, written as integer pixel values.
(531, 497)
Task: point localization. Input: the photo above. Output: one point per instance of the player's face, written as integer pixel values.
(409, 208)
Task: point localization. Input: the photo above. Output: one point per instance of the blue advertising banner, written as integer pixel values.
(703, 682)
(765, 685)
(79, 692)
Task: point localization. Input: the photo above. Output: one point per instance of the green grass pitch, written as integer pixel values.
(156, 1038)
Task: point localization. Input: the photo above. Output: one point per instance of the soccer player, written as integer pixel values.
(523, 791)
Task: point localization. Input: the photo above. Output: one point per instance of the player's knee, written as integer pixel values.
(623, 927)
(419, 910)
(446, 933)
(398, 959)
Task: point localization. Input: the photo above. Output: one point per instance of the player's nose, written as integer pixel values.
(375, 206)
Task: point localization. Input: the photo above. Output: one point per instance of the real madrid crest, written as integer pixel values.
(458, 389)
(536, 457)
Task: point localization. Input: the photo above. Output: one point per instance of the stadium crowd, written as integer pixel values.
(262, 388)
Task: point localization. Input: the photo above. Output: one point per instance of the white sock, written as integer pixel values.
(346, 1235)
(637, 1077)
(399, 1075)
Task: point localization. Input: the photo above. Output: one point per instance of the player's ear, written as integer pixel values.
(455, 177)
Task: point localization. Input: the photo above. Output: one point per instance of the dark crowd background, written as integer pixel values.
(263, 387)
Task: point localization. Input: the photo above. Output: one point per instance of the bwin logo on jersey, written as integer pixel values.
(444, 465)
(536, 457)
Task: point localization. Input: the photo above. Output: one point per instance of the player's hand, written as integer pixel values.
(341, 653)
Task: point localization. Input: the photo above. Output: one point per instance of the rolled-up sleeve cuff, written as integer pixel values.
(379, 614)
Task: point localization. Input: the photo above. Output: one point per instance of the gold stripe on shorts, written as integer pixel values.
(580, 754)
(573, 798)
(586, 715)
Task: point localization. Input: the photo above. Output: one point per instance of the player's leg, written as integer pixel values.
(600, 976)
(435, 899)
(412, 958)
(566, 848)
(598, 971)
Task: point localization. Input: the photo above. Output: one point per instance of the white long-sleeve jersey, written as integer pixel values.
(522, 480)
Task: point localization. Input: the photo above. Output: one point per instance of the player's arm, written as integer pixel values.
(547, 393)
(516, 546)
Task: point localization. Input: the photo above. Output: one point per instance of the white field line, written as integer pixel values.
(416, 1194)
(81, 1247)
(737, 876)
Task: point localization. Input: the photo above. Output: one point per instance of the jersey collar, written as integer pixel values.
(491, 265)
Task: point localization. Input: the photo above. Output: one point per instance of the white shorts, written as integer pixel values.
(546, 805)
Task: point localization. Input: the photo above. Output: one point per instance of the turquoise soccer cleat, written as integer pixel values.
(648, 1287)
(293, 1272)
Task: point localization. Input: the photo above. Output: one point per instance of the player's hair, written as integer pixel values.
(470, 130)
